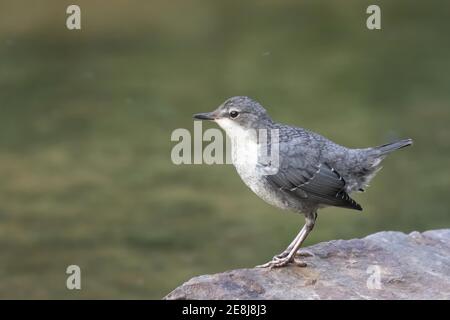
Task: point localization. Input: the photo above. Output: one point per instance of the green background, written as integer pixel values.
(86, 118)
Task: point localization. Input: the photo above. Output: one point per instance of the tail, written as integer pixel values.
(389, 147)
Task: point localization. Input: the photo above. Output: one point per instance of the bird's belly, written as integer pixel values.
(245, 160)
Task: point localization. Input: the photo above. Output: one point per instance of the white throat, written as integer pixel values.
(244, 145)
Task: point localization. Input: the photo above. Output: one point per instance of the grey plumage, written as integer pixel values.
(321, 172)
(313, 172)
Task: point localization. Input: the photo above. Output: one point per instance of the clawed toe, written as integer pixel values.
(275, 263)
(302, 253)
(282, 262)
(281, 255)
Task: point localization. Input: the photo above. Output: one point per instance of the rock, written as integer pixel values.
(384, 265)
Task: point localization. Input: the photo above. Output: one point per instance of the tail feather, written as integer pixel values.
(389, 147)
(371, 162)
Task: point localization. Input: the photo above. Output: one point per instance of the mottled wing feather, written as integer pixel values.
(328, 187)
(318, 183)
(305, 174)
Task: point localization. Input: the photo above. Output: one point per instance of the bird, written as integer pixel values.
(311, 172)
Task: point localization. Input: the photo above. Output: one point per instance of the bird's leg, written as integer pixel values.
(302, 253)
(290, 257)
(282, 256)
(290, 246)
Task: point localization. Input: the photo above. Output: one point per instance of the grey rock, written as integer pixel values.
(413, 266)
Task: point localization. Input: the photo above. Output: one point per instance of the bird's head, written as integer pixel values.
(238, 113)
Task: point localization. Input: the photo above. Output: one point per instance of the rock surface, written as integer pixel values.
(384, 265)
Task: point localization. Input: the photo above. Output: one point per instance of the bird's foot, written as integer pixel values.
(282, 255)
(277, 262)
(302, 253)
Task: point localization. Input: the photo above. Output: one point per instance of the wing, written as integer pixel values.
(303, 175)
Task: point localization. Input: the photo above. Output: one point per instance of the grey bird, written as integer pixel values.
(312, 171)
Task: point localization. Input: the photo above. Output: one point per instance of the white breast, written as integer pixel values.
(245, 159)
(244, 147)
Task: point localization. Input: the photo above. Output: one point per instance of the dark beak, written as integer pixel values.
(205, 116)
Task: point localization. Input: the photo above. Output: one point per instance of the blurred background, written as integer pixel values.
(86, 118)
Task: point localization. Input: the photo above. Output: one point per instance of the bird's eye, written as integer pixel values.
(234, 114)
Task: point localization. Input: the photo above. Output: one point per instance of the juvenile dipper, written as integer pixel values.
(312, 172)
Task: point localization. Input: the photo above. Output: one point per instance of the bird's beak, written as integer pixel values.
(205, 116)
